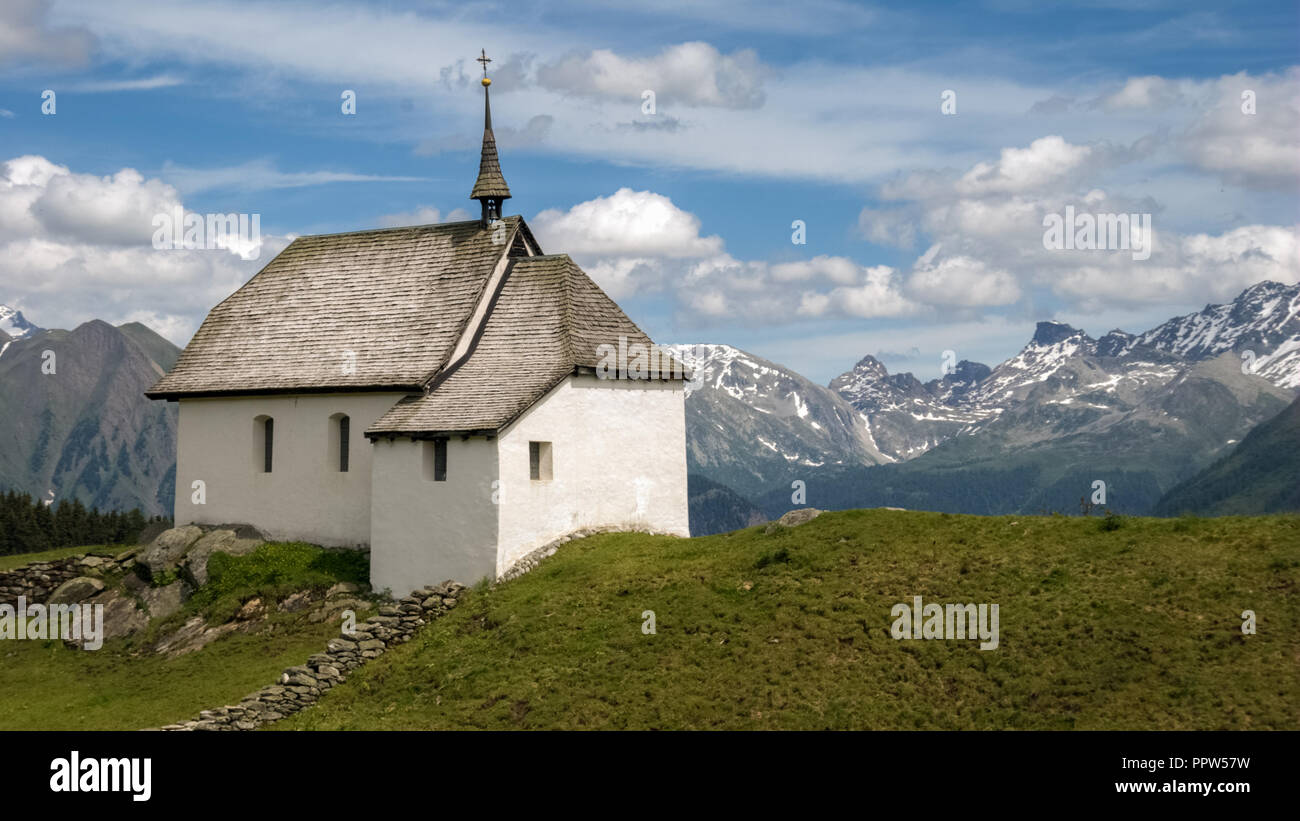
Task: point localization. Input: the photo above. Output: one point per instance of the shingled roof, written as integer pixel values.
(547, 319)
(398, 299)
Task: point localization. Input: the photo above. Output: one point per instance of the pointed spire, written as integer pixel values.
(490, 188)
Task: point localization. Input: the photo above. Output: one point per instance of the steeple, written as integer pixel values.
(490, 188)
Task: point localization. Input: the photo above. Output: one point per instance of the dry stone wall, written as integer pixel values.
(302, 685)
(38, 581)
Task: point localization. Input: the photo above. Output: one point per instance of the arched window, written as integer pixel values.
(264, 442)
(340, 429)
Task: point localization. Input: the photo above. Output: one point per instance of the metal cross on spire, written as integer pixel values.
(484, 59)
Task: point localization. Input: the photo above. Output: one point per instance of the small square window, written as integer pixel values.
(539, 461)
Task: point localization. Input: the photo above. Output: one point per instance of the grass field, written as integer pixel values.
(122, 686)
(1127, 623)
(20, 559)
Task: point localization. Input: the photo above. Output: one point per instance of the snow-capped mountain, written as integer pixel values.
(1159, 404)
(750, 423)
(906, 417)
(1064, 366)
(1264, 320)
(14, 325)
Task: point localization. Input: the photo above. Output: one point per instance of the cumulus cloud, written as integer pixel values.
(1046, 161)
(626, 223)
(41, 199)
(960, 281)
(1250, 133)
(986, 229)
(640, 242)
(825, 286)
(1243, 128)
(75, 247)
(25, 34)
(1214, 268)
(691, 74)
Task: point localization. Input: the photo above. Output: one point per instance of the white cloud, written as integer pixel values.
(640, 242)
(1256, 150)
(138, 84)
(960, 281)
(986, 229)
(895, 228)
(692, 74)
(75, 247)
(874, 294)
(626, 223)
(260, 175)
(25, 34)
(41, 199)
(1047, 160)
(1206, 268)
(1142, 92)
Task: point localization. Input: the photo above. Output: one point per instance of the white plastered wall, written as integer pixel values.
(424, 532)
(618, 461)
(305, 497)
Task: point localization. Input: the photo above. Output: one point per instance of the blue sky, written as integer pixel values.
(923, 228)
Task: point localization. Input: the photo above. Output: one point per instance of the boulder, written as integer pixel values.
(164, 552)
(794, 518)
(121, 615)
(163, 601)
(225, 540)
(76, 590)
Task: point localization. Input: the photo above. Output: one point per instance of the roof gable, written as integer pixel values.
(547, 319)
(367, 310)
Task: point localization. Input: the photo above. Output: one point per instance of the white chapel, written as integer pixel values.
(436, 393)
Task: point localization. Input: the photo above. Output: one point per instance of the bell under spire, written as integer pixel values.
(490, 188)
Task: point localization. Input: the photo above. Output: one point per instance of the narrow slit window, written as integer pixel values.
(268, 444)
(435, 460)
(539, 461)
(344, 424)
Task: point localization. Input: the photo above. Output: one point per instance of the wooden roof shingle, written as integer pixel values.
(547, 319)
(367, 310)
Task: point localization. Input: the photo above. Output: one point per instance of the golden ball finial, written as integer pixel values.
(486, 82)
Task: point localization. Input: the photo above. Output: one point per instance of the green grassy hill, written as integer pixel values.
(128, 685)
(1104, 624)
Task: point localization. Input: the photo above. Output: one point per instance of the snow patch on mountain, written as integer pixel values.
(13, 323)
